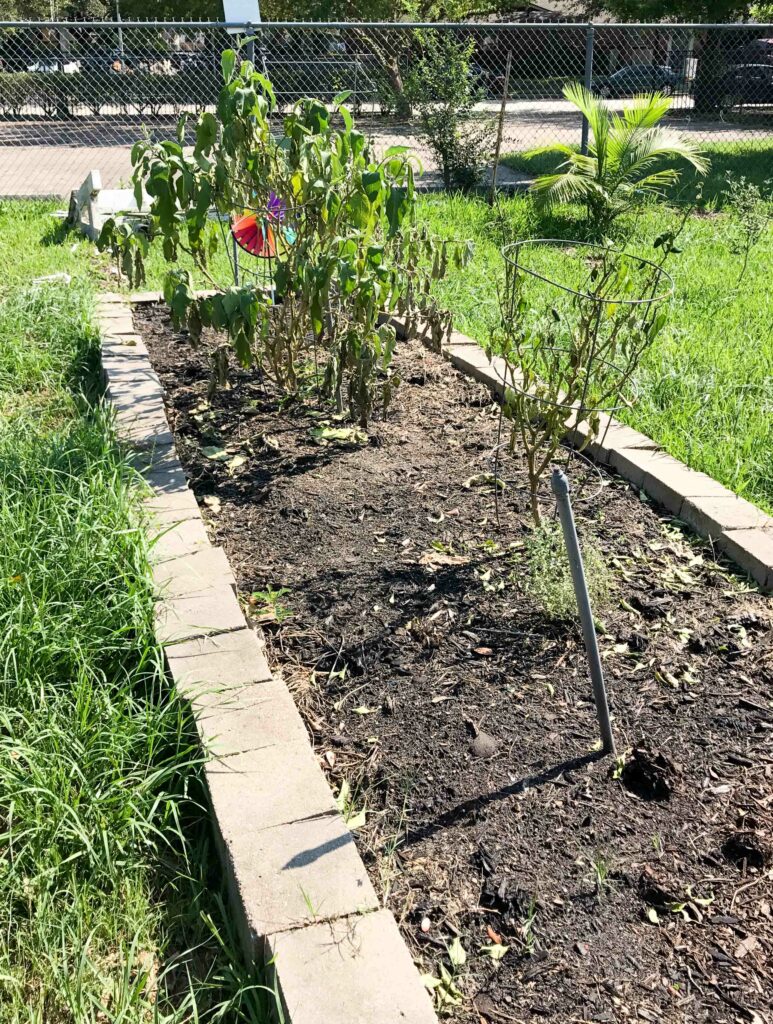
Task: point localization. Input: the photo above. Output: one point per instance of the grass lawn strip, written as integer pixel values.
(110, 890)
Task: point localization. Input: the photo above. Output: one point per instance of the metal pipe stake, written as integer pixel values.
(560, 485)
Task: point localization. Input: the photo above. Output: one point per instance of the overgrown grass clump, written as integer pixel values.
(111, 900)
(549, 575)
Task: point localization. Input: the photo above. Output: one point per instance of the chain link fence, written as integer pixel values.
(75, 96)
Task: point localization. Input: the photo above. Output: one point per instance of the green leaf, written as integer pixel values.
(371, 183)
(206, 132)
(215, 453)
(456, 953)
(396, 207)
(227, 64)
(358, 208)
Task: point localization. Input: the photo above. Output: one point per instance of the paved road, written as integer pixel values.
(50, 158)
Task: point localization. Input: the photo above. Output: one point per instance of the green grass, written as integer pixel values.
(111, 896)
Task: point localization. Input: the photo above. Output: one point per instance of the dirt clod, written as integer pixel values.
(484, 745)
(649, 775)
(747, 848)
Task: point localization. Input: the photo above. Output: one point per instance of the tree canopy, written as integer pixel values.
(271, 10)
(671, 10)
(98, 10)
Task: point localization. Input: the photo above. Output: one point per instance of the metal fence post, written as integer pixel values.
(560, 485)
(589, 36)
(250, 33)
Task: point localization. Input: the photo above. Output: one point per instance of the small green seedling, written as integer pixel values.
(267, 605)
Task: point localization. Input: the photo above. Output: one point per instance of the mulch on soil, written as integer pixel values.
(460, 716)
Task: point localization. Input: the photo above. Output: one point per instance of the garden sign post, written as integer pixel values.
(560, 484)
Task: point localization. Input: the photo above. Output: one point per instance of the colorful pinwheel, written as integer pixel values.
(258, 235)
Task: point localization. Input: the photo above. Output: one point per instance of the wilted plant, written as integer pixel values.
(338, 227)
(568, 363)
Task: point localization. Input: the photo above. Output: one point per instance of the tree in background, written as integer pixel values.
(394, 50)
(105, 10)
(58, 10)
(712, 51)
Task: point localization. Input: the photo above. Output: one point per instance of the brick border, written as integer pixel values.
(300, 892)
(738, 528)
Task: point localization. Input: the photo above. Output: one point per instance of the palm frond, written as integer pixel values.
(593, 110)
(569, 187)
(660, 143)
(647, 110)
(656, 181)
(586, 164)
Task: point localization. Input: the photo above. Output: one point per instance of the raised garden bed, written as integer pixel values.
(459, 715)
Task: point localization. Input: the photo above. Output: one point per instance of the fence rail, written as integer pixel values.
(76, 95)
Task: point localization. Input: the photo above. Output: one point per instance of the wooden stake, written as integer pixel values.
(502, 111)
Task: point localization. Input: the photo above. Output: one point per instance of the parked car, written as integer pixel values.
(70, 67)
(748, 84)
(758, 51)
(634, 78)
(207, 61)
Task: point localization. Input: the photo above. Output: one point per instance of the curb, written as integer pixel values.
(301, 895)
(739, 529)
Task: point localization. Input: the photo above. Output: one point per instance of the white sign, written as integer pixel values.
(242, 12)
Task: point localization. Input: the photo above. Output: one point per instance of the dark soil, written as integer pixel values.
(461, 716)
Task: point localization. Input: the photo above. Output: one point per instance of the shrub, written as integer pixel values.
(444, 90)
(16, 92)
(749, 218)
(62, 94)
(344, 244)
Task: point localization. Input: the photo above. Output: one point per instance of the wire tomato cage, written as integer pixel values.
(584, 318)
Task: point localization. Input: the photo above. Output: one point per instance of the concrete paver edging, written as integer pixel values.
(301, 895)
